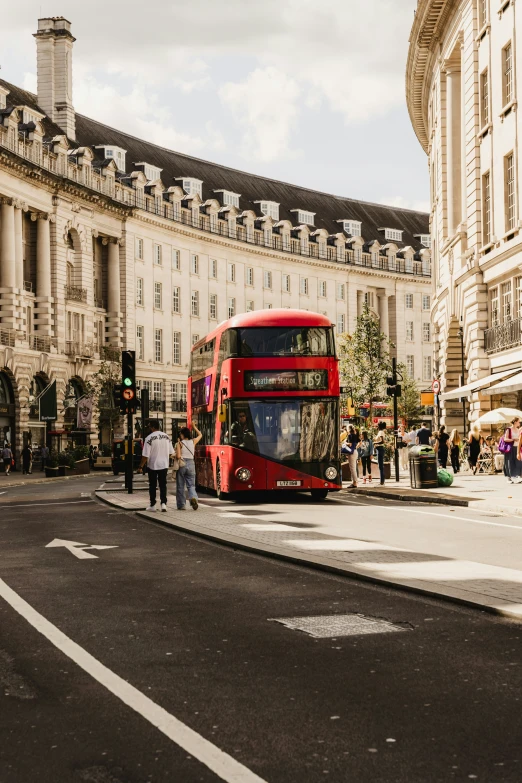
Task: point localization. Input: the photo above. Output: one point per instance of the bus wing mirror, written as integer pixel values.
(222, 416)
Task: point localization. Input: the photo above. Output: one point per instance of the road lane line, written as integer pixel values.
(219, 762)
(465, 519)
(61, 503)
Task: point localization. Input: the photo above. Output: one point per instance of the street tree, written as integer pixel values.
(101, 387)
(364, 360)
(408, 403)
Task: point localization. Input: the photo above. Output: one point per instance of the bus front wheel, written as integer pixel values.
(219, 492)
(319, 494)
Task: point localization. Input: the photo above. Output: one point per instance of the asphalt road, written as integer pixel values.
(192, 626)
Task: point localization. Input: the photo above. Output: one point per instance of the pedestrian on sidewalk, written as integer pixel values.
(454, 445)
(422, 437)
(186, 473)
(365, 455)
(512, 438)
(7, 457)
(27, 459)
(44, 454)
(156, 455)
(351, 444)
(403, 452)
(442, 446)
(379, 444)
(475, 443)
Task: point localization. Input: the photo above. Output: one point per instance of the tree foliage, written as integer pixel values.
(364, 360)
(101, 388)
(409, 402)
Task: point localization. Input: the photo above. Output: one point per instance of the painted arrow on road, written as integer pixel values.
(77, 549)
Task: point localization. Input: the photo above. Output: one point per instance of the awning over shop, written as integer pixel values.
(481, 384)
(506, 386)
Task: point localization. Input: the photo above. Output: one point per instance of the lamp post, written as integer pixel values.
(461, 335)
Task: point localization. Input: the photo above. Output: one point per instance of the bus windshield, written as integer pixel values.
(287, 431)
(291, 341)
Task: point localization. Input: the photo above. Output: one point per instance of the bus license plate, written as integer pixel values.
(289, 483)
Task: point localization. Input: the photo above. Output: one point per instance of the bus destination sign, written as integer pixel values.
(286, 380)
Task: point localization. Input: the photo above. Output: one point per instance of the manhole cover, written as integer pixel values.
(332, 626)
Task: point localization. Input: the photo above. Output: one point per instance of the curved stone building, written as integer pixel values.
(108, 241)
(462, 82)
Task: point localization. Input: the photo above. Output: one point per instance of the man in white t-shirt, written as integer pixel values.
(156, 455)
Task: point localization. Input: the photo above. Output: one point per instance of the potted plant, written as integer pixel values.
(65, 462)
(51, 468)
(81, 459)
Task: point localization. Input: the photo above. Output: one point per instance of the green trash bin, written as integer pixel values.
(423, 468)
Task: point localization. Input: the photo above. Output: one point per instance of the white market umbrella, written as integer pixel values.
(499, 416)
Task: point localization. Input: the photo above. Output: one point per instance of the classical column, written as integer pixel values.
(453, 147)
(43, 256)
(113, 278)
(19, 246)
(383, 314)
(8, 246)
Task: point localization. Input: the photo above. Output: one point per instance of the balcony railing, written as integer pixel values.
(75, 294)
(503, 336)
(7, 337)
(85, 176)
(41, 342)
(82, 350)
(179, 406)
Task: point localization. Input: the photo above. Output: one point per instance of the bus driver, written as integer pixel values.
(241, 432)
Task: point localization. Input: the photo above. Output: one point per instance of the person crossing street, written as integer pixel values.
(156, 456)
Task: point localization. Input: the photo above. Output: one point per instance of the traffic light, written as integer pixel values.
(116, 395)
(394, 391)
(128, 381)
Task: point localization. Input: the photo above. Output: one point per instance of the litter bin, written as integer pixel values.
(423, 467)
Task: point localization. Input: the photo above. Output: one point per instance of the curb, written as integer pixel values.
(390, 495)
(34, 482)
(318, 562)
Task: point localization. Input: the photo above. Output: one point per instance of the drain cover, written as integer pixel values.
(334, 625)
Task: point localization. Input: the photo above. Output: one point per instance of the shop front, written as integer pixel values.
(7, 412)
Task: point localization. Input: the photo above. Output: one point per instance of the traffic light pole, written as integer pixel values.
(129, 456)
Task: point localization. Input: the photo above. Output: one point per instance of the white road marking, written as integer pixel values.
(465, 519)
(77, 549)
(223, 765)
(61, 503)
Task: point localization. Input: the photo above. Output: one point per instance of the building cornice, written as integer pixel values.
(431, 19)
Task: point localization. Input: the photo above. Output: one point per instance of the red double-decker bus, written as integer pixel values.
(264, 391)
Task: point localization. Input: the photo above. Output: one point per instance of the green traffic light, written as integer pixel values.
(127, 381)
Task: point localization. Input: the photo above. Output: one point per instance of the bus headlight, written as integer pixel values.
(331, 473)
(244, 474)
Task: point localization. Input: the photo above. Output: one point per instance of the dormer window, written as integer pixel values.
(392, 234)
(352, 227)
(116, 153)
(424, 239)
(28, 117)
(269, 208)
(192, 187)
(3, 97)
(230, 199)
(304, 218)
(152, 173)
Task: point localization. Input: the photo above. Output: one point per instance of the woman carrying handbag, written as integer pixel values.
(185, 468)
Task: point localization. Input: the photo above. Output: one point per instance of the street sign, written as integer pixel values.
(435, 386)
(127, 394)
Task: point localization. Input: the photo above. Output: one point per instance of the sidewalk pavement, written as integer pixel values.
(19, 479)
(490, 587)
(483, 492)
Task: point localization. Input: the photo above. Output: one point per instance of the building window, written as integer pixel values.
(213, 267)
(249, 275)
(507, 73)
(194, 308)
(158, 345)
(176, 299)
(340, 291)
(192, 186)
(340, 323)
(305, 218)
(426, 332)
(139, 291)
(249, 306)
(409, 331)
(195, 339)
(270, 208)
(176, 348)
(268, 306)
(518, 297)
(408, 301)
(213, 306)
(194, 264)
(352, 227)
(231, 307)
(426, 368)
(426, 302)
(179, 391)
(393, 234)
(267, 280)
(231, 273)
(494, 307)
(157, 254)
(138, 249)
(304, 286)
(369, 298)
(509, 167)
(507, 301)
(230, 199)
(410, 365)
(486, 208)
(176, 259)
(425, 239)
(157, 296)
(285, 284)
(483, 13)
(140, 342)
(322, 287)
(484, 98)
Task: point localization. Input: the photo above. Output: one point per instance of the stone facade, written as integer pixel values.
(462, 77)
(100, 253)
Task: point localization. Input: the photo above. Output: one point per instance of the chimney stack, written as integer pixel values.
(54, 45)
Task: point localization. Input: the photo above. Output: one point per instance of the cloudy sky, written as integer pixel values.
(303, 91)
